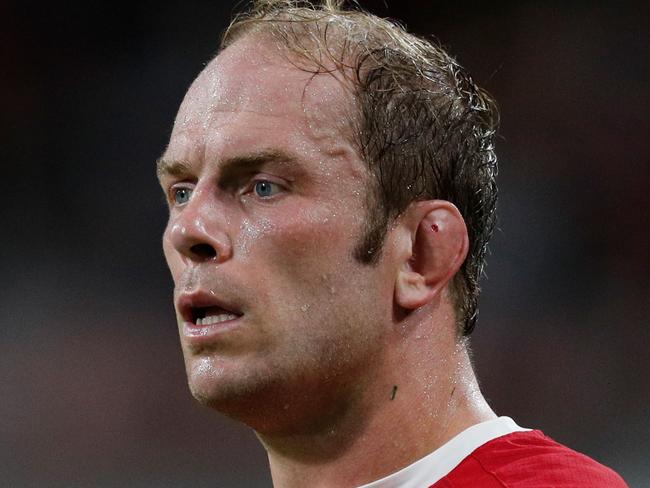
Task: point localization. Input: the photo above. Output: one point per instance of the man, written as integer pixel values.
(330, 181)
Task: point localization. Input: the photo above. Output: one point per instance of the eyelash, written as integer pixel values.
(175, 189)
(251, 188)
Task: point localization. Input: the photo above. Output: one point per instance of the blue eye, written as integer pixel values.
(265, 188)
(181, 195)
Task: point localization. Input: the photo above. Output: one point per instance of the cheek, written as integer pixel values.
(311, 265)
(298, 262)
(321, 238)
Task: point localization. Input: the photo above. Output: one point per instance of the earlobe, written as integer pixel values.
(438, 248)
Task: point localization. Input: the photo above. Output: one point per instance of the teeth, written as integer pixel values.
(215, 319)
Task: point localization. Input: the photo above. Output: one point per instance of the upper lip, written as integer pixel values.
(189, 305)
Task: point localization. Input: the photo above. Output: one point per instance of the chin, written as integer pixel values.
(242, 403)
(257, 400)
(204, 378)
(220, 387)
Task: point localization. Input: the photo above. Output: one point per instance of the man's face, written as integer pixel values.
(266, 202)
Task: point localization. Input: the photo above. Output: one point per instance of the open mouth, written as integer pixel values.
(200, 310)
(211, 315)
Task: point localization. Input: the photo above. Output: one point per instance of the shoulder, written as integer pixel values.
(532, 460)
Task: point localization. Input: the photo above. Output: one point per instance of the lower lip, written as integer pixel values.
(203, 334)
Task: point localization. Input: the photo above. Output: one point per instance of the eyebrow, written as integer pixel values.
(229, 167)
(165, 167)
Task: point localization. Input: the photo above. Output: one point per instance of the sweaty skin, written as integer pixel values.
(267, 203)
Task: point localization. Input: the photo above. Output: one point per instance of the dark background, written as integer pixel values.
(92, 384)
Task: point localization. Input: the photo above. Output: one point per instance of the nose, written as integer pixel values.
(198, 233)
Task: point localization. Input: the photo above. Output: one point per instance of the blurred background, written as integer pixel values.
(92, 383)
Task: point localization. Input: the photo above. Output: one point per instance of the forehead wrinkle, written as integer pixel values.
(220, 110)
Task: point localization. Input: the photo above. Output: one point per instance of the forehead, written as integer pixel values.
(253, 83)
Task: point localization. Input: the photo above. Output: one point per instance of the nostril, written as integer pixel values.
(204, 251)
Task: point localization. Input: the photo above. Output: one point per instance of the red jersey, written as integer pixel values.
(499, 454)
(529, 460)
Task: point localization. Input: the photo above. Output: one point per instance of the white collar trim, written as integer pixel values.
(435, 466)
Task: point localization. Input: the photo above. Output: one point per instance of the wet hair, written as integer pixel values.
(423, 127)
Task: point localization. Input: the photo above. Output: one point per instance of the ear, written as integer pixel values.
(434, 253)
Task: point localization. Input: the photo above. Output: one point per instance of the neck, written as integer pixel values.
(415, 404)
